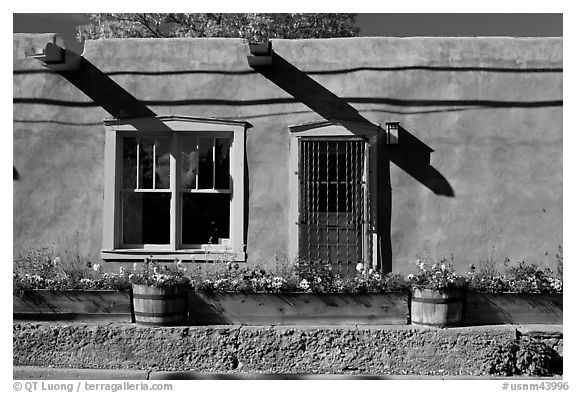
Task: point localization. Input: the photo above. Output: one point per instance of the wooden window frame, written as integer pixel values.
(175, 127)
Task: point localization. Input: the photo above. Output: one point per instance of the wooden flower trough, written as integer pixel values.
(222, 308)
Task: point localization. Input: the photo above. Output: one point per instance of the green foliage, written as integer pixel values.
(41, 262)
(253, 27)
(44, 269)
(486, 280)
(230, 277)
(315, 275)
(153, 274)
(527, 357)
(503, 360)
(520, 278)
(560, 262)
(61, 268)
(529, 278)
(311, 276)
(436, 275)
(535, 358)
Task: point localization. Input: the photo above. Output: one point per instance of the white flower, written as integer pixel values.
(360, 266)
(410, 276)
(135, 266)
(155, 269)
(304, 284)
(278, 282)
(122, 270)
(56, 261)
(97, 268)
(443, 267)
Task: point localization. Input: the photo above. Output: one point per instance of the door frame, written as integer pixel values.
(321, 129)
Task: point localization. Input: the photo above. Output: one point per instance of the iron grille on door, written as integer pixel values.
(332, 200)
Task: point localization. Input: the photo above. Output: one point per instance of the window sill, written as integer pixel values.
(208, 253)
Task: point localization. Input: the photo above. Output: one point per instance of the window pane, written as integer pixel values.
(205, 163)
(205, 218)
(129, 163)
(146, 161)
(189, 164)
(163, 162)
(222, 152)
(146, 218)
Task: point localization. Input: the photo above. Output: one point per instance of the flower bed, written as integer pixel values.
(307, 292)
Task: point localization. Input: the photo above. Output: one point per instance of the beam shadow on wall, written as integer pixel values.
(413, 156)
(106, 93)
(410, 154)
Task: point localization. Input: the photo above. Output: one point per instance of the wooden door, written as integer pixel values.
(332, 176)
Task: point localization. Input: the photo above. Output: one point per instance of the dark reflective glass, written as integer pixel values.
(129, 163)
(163, 162)
(146, 218)
(189, 162)
(146, 162)
(205, 218)
(206, 163)
(222, 162)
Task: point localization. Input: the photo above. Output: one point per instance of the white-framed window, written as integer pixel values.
(174, 188)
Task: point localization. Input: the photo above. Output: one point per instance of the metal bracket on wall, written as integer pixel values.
(392, 132)
(57, 58)
(260, 54)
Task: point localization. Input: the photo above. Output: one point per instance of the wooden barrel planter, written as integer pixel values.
(436, 308)
(160, 306)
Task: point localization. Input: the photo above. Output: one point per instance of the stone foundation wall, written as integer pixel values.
(399, 350)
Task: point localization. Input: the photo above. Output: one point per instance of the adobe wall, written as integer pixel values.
(490, 108)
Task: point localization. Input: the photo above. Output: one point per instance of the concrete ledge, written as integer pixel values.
(36, 373)
(349, 350)
(39, 373)
(541, 330)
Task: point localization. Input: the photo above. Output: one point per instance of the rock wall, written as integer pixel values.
(398, 350)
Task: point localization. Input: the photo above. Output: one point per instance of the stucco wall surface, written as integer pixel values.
(489, 108)
(374, 350)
